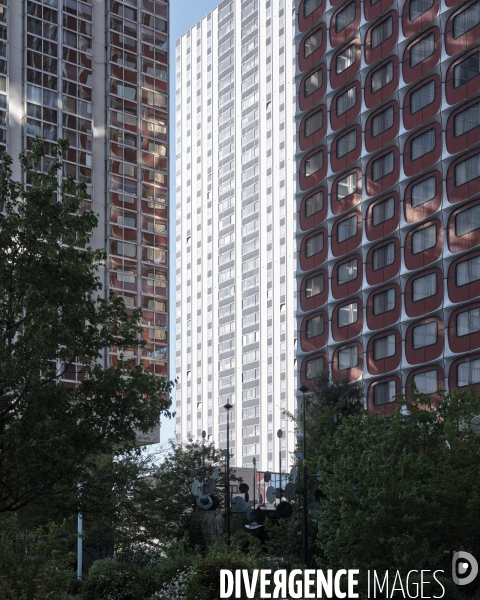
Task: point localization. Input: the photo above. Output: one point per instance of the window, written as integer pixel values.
(314, 326)
(314, 368)
(310, 6)
(314, 286)
(381, 32)
(382, 122)
(425, 335)
(468, 372)
(313, 164)
(418, 7)
(467, 221)
(383, 166)
(468, 271)
(384, 302)
(466, 20)
(348, 358)
(466, 70)
(252, 411)
(427, 382)
(422, 97)
(384, 347)
(467, 170)
(346, 143)
(345, 17)
(382, 77)
(314, 245)
(314, 204)
(313, 123)
(345, 59)
(347, 271)
(348, 314)
(347, 229)
(313, 83)
(384, 256)
(424, 191)
(347, 186)
(424, 287)
(468, 322)
(422, 50)
(313, 42)
(423, 144)
(467, 119)
(424, 239)
(346, 101)
(383, 211)
(384, 393)
(126, 249)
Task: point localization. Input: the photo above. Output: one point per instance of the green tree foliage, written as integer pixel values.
(53, 320)
(402, 491)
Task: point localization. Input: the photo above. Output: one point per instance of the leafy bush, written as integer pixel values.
(109, 579)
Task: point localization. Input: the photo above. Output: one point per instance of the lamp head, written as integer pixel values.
(228, 406)
(303, 389)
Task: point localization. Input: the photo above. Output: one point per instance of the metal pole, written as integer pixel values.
(303, 389)
(254, 479)
(79, 543)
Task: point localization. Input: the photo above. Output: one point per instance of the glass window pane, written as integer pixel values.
(423, 287)
(422, 97)
(466, 70)
(314, 326)
(423, 144)
(345, 17)
(347, 271)
(467, 170)
(384, 302)
(314, 204)
(346, 186)
(313, 42)
(424, 239)
(384, 347)
(313, 123)
(346, 101)
(384, 256)
(346, 143)
(345, 59)
(347, 229)
(383, 393)
(314, 245)
(348, 358)
(310, 6)
(425, 335)
(422, 50)
(313, 83)
(468, 271)
(418, 7)
(466, 20)
(427, 383)
(348, 314)
(381, 32)
(383, 166)
(382, 77)
(382, 122)
(314, 286)
(467, 221)
(383, 211)
(468, 372)
(468, 322)
(314, 368)
(467, 119)
(313, 164)
(424, 191)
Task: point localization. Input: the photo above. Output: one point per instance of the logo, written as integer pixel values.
(464, 568)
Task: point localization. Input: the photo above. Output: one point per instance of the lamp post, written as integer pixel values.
(279, 435)
(227, 407)
(304, 390)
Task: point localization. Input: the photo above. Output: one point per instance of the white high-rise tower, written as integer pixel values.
(235, 229)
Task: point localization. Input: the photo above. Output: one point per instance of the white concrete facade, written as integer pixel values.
(235, 229)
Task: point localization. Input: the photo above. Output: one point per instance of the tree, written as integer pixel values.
(53, 320)
(403, 490)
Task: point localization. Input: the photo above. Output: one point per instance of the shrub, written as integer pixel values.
(109, 579)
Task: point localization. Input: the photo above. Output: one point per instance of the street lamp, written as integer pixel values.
(304, 390)
(228, 407)
(279, 435)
